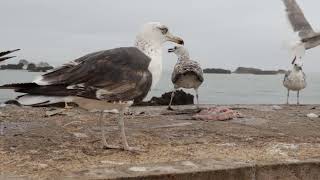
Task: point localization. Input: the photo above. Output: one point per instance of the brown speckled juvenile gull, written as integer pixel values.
(295, 80)
(186, 73)
(104, 80)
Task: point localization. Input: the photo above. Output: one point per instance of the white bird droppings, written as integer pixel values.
(312, 115)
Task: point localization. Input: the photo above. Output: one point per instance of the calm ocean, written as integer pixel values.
(217, 88)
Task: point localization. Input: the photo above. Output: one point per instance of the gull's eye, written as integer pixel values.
(164, 30)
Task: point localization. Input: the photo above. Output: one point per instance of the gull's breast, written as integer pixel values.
(295, 82)
(155, 67)
(188, 81)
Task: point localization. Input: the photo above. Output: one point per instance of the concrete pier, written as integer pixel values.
(270, 142)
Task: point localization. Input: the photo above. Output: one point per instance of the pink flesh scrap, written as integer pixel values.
(217, 114)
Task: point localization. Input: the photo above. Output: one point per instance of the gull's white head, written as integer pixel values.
(157, 33)
(181, 52)
(297, 63)
(149, 40)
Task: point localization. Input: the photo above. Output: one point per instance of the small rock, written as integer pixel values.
(138, 169)
(33, 152)
(112, 162)
(3, 152)
(3, 114)
(113, 111)
(2, 105)
(227, 144)
(1, 129)
(42, 166)
(188, 163)
(180, 98)
(276, 107)
(293, 160)
(94, 111)
(128, 113)
(54, 112)
(80, 135)
(69, 114)
(312, 115)
(313, 108)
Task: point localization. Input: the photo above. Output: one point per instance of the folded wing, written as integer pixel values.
(114, 75)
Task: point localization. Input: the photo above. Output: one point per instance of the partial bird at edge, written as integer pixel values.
(2, 54)
(308, 37)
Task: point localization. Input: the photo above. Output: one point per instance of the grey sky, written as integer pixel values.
(218, 33)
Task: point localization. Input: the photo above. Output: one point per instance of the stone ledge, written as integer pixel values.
(206, 170)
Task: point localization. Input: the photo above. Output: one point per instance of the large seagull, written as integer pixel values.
(308, 37)
(104, 80)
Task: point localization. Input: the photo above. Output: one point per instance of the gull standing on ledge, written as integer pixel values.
(300, 25)
(186, 73)
(5, 53)
(104, 80)
(295, 80)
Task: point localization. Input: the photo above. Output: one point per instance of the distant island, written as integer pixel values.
(29, 66)
(256, 71)
(244, 70)
(216, 71)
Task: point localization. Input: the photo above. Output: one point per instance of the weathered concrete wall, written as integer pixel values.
(296, 171)
(203, 170)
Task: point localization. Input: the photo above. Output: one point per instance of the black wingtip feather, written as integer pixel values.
(5, 58)
(19, 86)
(8, 52)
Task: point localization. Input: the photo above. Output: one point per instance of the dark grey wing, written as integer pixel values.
(297, 19)
(116, 74)
(175, 72)
(198, 70)
(184, 67)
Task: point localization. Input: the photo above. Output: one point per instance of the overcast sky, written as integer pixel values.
(218, 33)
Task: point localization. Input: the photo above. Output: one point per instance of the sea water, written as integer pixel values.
(216, 89)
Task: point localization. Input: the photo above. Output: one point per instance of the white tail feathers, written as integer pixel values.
(39, 80)
(32, 100)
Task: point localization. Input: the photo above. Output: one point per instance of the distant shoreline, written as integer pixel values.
(243, 70)
(25, 65)
(240, 70)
